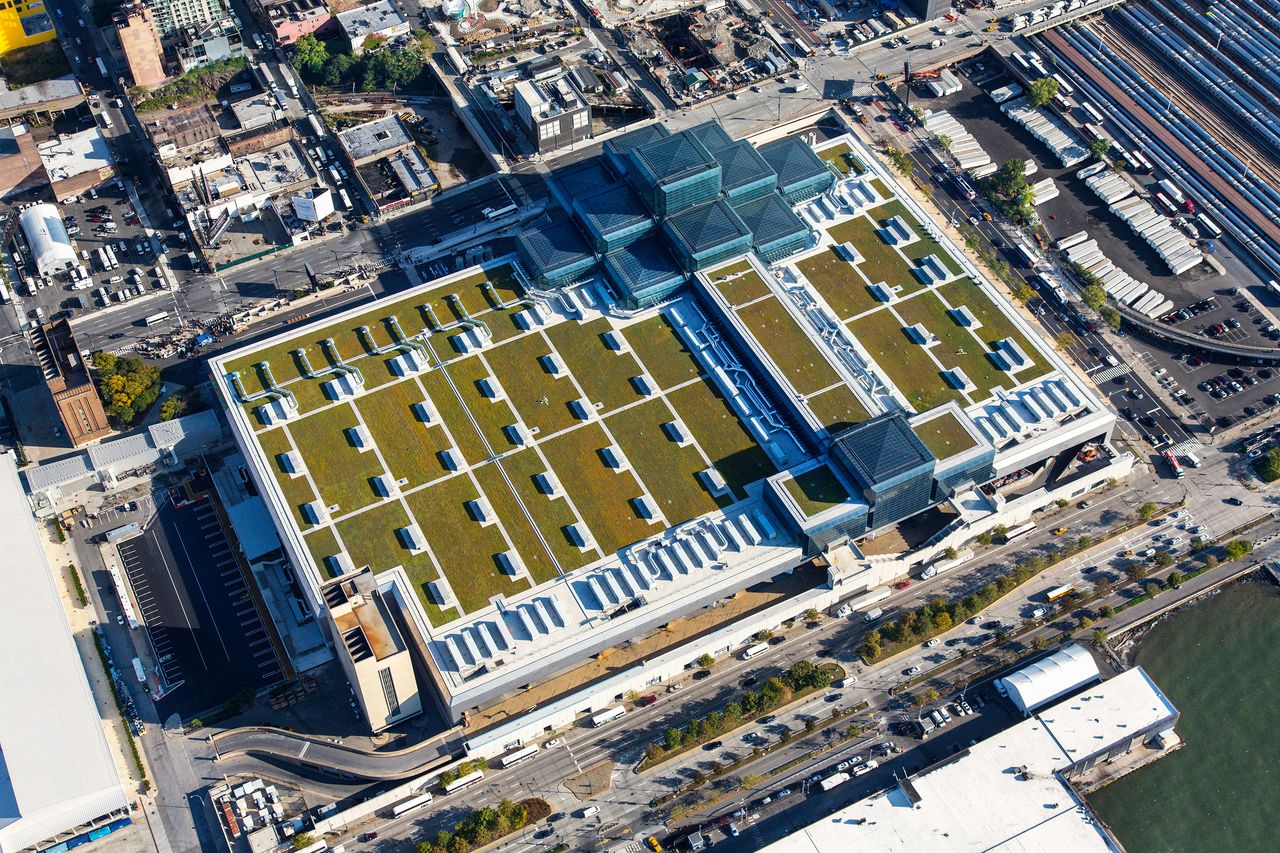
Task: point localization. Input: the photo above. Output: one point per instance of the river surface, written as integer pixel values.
(1219, 663)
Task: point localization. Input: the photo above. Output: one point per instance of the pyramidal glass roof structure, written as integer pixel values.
(712, 136)
(744, 173)
(770, 219)
(880, 449)
(671, 159)
(705, 227)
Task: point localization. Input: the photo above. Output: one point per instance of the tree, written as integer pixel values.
(1094, 296)
(1099, 636)
(1100, 148)
(984, 538)
(310, 55)
(930, 696)
(1147, 510)
(1237, 548)
(812, 615)
(1064, 340)
(673, 738)
(764, 635)
(1111, 317)
(951, 553)
(1084, 621)
(301, 840)
(1041, 92)
(173, 406)
(1136, 571)
(1175, 579)
(1038, 643)
(944, 142)
(1163, 560)
(1269, 467)
(705, 660)
(1210, 562)
(999, 531)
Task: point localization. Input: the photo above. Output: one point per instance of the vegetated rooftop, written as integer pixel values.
(494, 469)
(816, 490)
(944, 435)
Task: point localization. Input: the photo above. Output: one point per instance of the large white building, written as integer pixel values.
(57, 774)
(1045, 680)
(50, 244)
(1013, 791)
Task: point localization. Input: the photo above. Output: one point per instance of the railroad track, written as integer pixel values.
(1184, 93)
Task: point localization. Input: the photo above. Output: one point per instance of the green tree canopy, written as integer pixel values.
(1094, 296)
(1040, 92)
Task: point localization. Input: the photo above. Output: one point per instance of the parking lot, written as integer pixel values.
(207, 635)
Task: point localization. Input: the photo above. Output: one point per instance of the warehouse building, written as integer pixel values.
(59, 781)
(1040, 683)
(47, 238)
(1016, 790)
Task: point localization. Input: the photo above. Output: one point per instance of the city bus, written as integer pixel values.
(1060, 592)
(464, 782)
(412, 805)
(1018, 532)
(1174, 465)
(1210, 227)
(513, 758)
(608, 715)
(757, 649)
(157, 317)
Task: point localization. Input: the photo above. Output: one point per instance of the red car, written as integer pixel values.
(902, 584)
(644, 701)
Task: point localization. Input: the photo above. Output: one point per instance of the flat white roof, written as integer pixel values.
(1003, 793)
(1047, 679)
(75, 153)
(56, 770)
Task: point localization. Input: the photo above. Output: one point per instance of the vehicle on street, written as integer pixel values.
(902, 584)
(911, 670)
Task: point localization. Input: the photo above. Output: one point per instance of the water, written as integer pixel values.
(1217, 662)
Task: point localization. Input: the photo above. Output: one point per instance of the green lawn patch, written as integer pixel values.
(717, 428)
(921, 248)
(838, 282)
(816, 490)
(739, 283)
(881, 187)
(662, 351)
(454, 417)
(789, 346)
(541, 398)
(837, 408)
(340, 471)
(880, 261)
(906, 363)
(667, 470)
(605, 375)
(551, 515)
(944, 436)
(841, 157)
(322, 543)
(519, 530)
(371, 540)
(996, 326)
(957, 347)
(296, 490)
(410, 447)
(490, 415)
(601, 494)
(466, 550)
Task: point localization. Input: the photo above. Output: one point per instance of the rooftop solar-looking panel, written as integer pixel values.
(645, 272)
(801, 173)
(712, 136)
(555, 253)
(616, 149)
(613, 218)
(744, 173)
(706, 234)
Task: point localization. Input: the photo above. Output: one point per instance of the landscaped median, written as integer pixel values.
(939, 616)
(485, 826)
(800, 680)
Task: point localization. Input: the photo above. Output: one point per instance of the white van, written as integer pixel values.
(590, 811)
(757, 649)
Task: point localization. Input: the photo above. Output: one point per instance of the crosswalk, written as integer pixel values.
(1187, 445)
(1110, 374)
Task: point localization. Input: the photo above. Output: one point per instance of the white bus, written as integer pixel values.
(1019, 531)
(412, 805)
(608, 715)
(157, 317)
(464, 782)
(757, 649)
(1208, 225)
(139, 671)
(497, 213)
(513, 758)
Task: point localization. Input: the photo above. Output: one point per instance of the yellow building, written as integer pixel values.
(24, 23)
